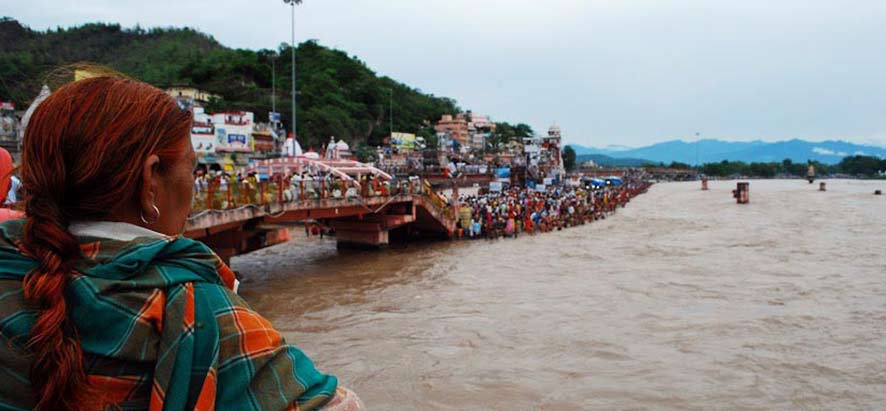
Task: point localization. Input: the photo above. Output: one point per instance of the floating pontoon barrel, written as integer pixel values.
(742, 193)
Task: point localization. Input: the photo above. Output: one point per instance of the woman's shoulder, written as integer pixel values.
(10, 229)
(7, 214)
(13, 264)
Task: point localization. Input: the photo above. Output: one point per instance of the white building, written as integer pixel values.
(291, 148)
(481, 122)
(544, 158)
(337, 150)
(233, 131)
(191, 93)
(480, 129)
(478, 140)
(202, 132)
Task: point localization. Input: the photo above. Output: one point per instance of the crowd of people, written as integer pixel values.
(508, 213)
(225, 190)
(487, 214)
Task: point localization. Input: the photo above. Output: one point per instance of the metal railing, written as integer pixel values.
(229, 194)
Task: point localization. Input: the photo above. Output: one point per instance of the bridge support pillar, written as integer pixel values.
(360, 234)
(362, 239)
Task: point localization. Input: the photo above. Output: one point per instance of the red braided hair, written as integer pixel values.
(82, 160)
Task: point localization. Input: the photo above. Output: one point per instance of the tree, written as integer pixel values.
(787, 166)
(523, 130)
(504, 133)
(569, 158)
(365, 154)
(861, 165)
(338, 95)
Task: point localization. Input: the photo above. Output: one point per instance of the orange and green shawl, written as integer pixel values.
(161, 329)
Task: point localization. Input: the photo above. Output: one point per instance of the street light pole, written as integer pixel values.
(391, 112)
(697, 143)
(292, 3)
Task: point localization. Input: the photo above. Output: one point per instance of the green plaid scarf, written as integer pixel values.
(161, 329)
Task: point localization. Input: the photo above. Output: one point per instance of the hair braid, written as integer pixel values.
(57, 370)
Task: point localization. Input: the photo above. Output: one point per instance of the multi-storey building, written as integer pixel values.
(456, 127)
(470, 130)
(543, 157)
(230, 139)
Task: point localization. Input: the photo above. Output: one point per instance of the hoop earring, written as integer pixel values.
(144, 220)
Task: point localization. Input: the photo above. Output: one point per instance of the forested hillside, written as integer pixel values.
(338, 95)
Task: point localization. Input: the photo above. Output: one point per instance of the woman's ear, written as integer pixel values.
(150, 187)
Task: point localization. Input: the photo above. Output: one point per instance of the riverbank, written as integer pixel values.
(682, 300)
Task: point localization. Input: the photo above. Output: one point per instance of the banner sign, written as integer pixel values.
(202, 143)
(403, 141)
(202, 129)
(232, 142)
(236, 139)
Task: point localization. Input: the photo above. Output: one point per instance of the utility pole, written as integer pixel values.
(274, 83)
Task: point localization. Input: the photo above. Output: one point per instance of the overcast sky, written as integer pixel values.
(610, 72)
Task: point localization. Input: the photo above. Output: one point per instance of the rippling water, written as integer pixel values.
(683, 300)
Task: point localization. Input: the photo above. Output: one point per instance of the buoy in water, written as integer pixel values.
(704, 184)
(821, 186)
(878, 192)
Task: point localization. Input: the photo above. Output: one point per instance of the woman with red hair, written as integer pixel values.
(103, 305)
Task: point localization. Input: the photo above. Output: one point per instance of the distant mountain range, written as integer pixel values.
(708, 151)
(608, 161)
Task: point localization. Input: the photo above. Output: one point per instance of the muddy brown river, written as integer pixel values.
(682, 301)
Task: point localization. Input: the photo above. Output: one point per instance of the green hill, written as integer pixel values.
(338, 95)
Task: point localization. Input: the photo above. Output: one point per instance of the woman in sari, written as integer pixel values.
(103, 305)
(509, 225)
(6, 186)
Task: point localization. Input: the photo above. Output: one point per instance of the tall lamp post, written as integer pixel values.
(292, 3)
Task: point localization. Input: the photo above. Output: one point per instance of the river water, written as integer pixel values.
(683, 300)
